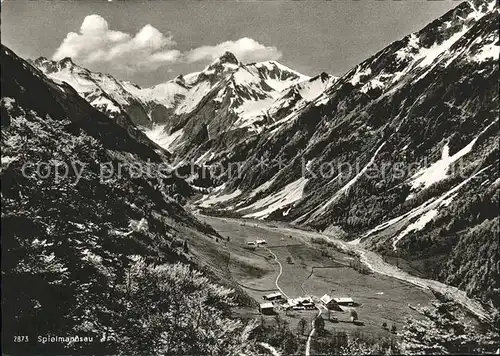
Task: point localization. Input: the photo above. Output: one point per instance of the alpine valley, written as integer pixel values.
(391, 168)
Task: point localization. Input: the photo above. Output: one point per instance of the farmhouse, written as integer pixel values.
(274, 296)
(346, 301)
(266, 308)
(329, 302)
(300, 303)
(261, 242)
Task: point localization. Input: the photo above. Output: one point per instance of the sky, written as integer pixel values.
(149, 42)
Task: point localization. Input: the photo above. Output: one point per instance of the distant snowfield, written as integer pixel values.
(105, 102)
(79, 84)
(281, 84)
(310, 90)
(254, 109)
(163, 139)
(243, 77)
(289, 194)
(163, 93)
(251, 111)
(207, 201)
(297, 96)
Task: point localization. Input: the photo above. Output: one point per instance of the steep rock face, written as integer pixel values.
(401, 152)
(70, 240)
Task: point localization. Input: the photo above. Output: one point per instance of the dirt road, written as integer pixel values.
(276, 282)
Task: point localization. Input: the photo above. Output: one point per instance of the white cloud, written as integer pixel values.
(96, 43)
(148, 49)
(246, 49)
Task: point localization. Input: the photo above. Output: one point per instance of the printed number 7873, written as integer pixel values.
(21, 338)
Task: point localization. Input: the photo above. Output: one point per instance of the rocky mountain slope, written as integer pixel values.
(401, 153)
(92, 246)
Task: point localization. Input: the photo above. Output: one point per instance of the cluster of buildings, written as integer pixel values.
(302, 303)
(258, 242)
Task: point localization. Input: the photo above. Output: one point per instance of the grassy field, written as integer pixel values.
(310, 269)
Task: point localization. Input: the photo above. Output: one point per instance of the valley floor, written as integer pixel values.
(306, 270)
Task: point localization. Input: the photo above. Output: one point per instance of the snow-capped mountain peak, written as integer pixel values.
(226, 95)
(223, 65)
(227, 58)
(51, 66)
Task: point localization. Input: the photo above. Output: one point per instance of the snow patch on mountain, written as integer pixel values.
(167, 141)
(488, 52)
(419, 224)
(293, 99)
(205, 157)
(477, 13)
(428, 55)
(371, 85)
(263, 187)
(243, 77)
(438, 171)
(322, 100)
(291, 193)
(312, 88)
(420, 216)
(423, 212)
(251, 111)
(207, 200)
(106, 104)
(278, 76)
(356, 78)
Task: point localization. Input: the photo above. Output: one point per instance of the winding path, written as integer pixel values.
(279, 274)
(313, 330)
(311, 334)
